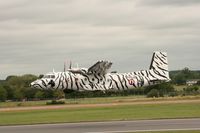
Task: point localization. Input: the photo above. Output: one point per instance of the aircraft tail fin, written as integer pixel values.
(159, 66)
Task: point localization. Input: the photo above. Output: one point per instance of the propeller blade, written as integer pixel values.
(64, 66)
(70, 65)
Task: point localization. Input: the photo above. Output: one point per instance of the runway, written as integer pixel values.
(107, 127)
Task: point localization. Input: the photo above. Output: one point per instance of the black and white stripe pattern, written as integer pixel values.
(95, 80)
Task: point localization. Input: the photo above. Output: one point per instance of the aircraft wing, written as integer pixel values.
(100, 68)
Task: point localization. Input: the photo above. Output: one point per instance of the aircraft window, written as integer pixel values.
(52, 76)
(45, 76)
(49, 76)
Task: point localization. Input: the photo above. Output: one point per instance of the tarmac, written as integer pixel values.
(107, 127)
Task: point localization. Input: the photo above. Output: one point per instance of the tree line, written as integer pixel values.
(17, 88)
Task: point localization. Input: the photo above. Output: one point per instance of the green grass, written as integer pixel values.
(180, 87)
(97, 100)
(125, 112)
(72, 101)
(26, 103)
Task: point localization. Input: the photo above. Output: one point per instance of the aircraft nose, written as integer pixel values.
(31, 84)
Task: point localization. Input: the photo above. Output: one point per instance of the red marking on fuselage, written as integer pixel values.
(131, 81)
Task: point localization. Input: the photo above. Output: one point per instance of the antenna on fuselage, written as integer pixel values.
(64, 66)
(70, 65)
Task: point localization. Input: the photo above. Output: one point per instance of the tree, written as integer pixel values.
(18, 87)
(153, 93)
(10, 91)
(163, 88)
(180, 77)
(3, 94)
(39, 95)
(29, 93)
(58, 94)
(18, 95)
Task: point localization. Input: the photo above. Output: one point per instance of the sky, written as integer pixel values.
(37, 36)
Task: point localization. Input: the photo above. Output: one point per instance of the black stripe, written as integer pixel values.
(156, 62)
(76, 83)
(71, 80)
(44, 83)
(88, 78)
(120, 81)
(83, 83)
(91, 85)
(104, 86)
(156, 72)
(148, 79)
(163, 55)
(142, 79)
(110, 83)
(58, 80)
(152, 60)
(125, 81)
(57, 77)
(142, 73)
(136, 85)
(95, 86)
(151, 74)
(63, 79)
(96, 78)
(115, 82)
(161, 60)
(66, 81)
(162, 69)
(38, 85)
(147, 73)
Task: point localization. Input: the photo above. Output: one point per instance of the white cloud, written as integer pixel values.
(36, 36)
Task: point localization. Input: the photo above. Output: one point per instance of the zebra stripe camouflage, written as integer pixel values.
(97, 78)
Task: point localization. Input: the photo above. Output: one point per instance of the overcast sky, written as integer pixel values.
(39, 35)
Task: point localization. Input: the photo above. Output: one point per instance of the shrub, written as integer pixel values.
(173, 94)
(3, 94)
(54, 102)
(153, 93)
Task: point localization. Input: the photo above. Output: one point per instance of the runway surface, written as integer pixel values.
(107, 127)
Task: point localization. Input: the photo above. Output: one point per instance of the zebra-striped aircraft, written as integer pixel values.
(97, 77)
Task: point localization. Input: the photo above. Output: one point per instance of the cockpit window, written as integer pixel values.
(52, 76)
(49, 76)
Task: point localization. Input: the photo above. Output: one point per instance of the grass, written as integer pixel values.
(125, 112)
(180, 87)
(97, 100)
(71, 101)
(25, 103)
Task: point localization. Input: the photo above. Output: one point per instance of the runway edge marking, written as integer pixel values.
(185, 129)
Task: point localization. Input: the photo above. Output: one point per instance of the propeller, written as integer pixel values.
(64, 66)
(70, 65)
